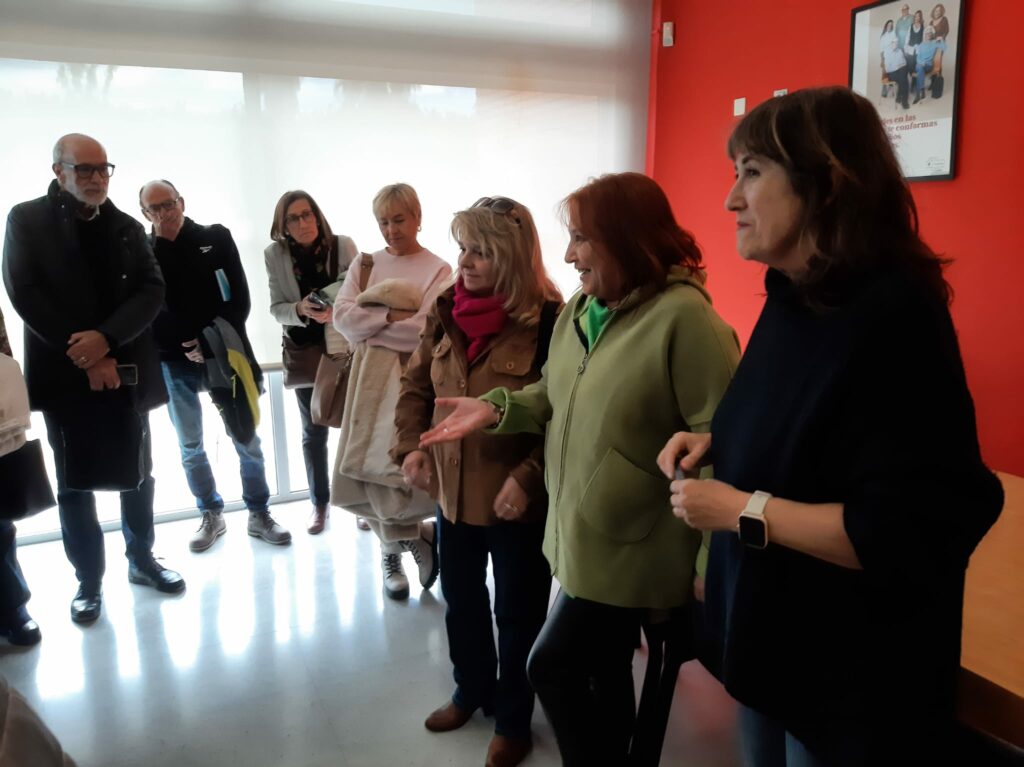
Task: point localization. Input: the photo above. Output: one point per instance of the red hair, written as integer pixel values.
(629, 214)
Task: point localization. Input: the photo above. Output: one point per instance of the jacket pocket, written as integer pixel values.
(622, 501)
(511, 361)
(439, 360)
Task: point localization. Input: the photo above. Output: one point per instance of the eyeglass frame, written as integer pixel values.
(79, 168)
(161, 207)
(295, 218)
(503, 206)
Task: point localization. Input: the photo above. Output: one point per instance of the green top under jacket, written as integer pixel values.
(660, 365)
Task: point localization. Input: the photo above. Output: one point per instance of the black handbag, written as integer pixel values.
(937, 85)
(104, 447)
(26, 486)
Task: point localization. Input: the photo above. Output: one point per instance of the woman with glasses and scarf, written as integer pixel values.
(305, 258)
(636, 351)
(490, 328)
(382, 315)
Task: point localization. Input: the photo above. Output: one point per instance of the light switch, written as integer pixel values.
(668, 34)
(739, 106)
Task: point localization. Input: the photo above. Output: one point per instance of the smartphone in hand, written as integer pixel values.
(318, 300)
(129, 374)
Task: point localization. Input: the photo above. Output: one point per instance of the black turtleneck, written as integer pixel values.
(864, 404)
(97, 253)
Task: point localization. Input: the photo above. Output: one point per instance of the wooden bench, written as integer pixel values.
(991, 694)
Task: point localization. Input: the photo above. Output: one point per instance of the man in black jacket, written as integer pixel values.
(205, 280)
(83, 278)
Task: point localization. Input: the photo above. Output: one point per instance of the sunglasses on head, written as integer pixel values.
(500, 205)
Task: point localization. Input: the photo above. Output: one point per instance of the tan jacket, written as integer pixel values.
(470, 473)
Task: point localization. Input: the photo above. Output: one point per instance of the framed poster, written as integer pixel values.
(905, 58)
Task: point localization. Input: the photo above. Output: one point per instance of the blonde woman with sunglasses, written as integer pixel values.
(488, 329)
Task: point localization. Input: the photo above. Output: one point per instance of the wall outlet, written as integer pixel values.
(780, 92)
(739, 107)
(668, 34)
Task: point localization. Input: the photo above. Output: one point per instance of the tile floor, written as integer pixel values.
(284, 656)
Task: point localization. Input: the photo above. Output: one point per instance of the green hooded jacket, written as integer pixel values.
(660, 365)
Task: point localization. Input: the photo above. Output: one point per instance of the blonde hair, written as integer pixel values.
(401, 195)
(510, 241)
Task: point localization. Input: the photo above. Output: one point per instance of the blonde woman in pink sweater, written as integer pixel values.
(383, 324)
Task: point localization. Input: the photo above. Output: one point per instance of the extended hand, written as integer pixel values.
(468, 415)
(103, 375)
(86, 348)
(686, 448)
(707, 504)
(511, 502)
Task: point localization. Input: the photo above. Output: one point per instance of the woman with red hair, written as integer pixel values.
(636, 352)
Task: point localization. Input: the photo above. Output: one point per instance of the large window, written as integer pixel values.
(235, 102)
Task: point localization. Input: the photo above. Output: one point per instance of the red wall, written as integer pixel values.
(732, 48)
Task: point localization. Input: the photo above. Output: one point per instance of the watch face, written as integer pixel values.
(753, 532)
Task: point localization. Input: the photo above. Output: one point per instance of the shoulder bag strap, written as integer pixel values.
(547, 324)
(366, 264)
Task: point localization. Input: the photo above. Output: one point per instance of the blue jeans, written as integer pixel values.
(183, 381)
(522, 585)
(83, 538)
(766, 743)
(14, 591)
(923, 69)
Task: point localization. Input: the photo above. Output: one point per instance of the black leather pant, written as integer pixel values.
(581, 669)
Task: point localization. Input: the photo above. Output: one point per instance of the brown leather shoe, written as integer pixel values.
(318, 519)
(507, 752)
(448, 717)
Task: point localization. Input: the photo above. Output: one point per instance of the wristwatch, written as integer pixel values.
(753, 527)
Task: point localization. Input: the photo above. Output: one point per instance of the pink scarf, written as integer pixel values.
(479, 317)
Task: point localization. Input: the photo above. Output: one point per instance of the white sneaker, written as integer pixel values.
(424, 551)
(396, 585)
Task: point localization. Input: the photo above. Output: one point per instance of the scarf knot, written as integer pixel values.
(479, 317)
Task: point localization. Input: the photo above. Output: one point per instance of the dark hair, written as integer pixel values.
(887, 26)
(629, 214)
(279, 229)
(859, 215)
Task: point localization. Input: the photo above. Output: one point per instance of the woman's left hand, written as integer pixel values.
(707, 504)
(511, 501)
(322, 316)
